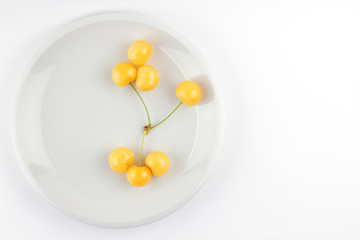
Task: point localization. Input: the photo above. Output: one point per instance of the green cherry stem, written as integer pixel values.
(166, 117)
(147, 112)
(142, 144)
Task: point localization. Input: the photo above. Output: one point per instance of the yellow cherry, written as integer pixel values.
(147, 78)
(158, 162)
(123, 73)
(138, 176)
(120, 159)
(189, 93)
(139, 52)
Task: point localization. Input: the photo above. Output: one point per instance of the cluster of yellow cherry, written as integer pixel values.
(146, 79)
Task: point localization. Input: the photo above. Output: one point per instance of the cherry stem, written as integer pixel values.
(141, 149)
(147, 112)
(166, 117)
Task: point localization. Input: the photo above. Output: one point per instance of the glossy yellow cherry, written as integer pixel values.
(147, 78)
(120, 159)
(138, 176)
(158, 162)
(123, 73)
(139, 52)
(189, 93)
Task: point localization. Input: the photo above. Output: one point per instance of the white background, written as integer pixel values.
(290, 163)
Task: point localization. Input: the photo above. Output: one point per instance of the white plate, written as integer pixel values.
(69, 116)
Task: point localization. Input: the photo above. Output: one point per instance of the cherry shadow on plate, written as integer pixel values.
(207, 90)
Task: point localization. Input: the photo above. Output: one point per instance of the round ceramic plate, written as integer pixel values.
(69, 115)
